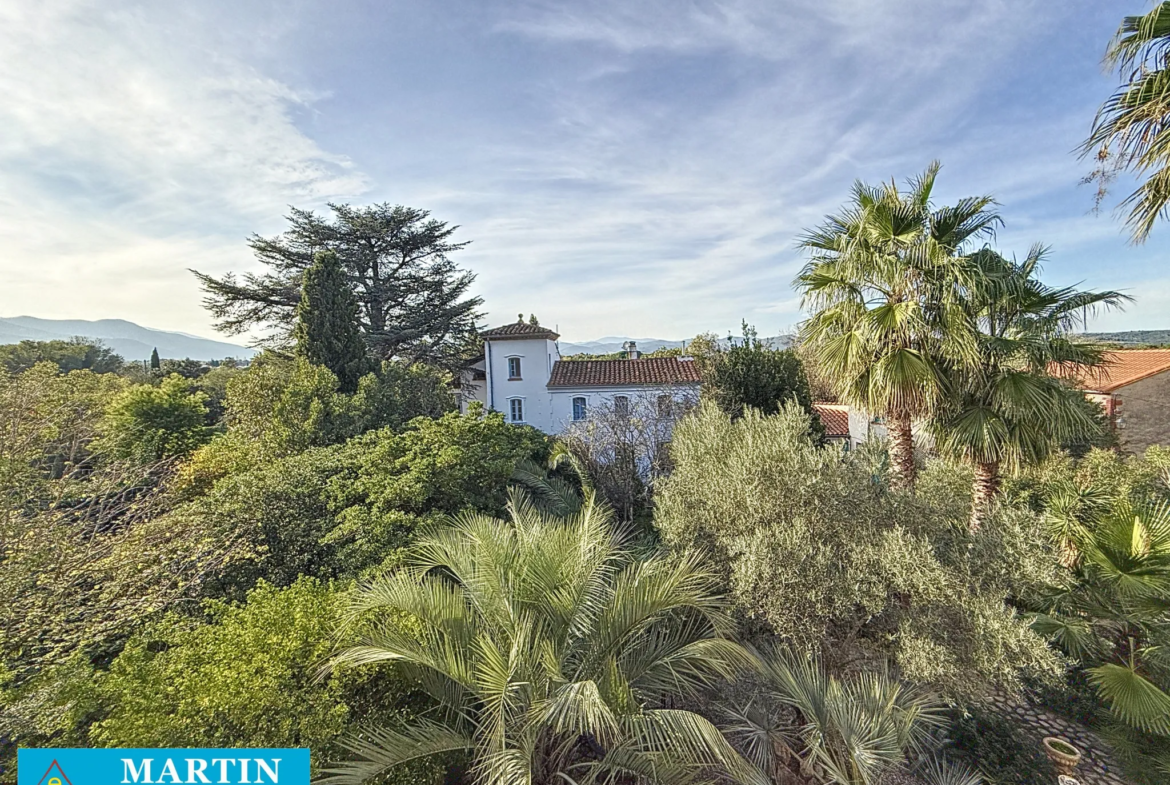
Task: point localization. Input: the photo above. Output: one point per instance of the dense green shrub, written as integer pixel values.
(818, 553)
(147, 423)
(250, 677)
(997, 745)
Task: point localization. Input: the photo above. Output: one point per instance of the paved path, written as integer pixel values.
(1095, 768)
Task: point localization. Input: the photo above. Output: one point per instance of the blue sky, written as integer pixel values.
(624, 167)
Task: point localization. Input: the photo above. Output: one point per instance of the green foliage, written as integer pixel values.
(880, 283)
(1003, 410)
(445, 465)
(50, 419)
(851, 731)
(187, 368)
(752, 374)
(1128, 131)
(279, 407)
(818, 554)
(155, 363)
(999, 747)
(147, 424)
(214, 384)
(72, 355)
(248, 677)
(550, 649)
(412, 298)
(327, 332)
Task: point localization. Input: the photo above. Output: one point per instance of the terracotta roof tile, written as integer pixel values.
(520, 330)
(603, 373)
(1122, 367)
(835, 418)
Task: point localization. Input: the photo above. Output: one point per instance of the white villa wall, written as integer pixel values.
(602, 397)
(537, 356)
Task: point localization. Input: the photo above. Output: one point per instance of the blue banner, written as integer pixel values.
(162, 767)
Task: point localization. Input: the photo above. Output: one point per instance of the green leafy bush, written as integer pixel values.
(998, 747)
(147, 423)
(817, 553)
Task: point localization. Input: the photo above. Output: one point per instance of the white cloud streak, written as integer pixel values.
(133, 149)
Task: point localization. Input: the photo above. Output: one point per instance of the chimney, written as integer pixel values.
(631, 349)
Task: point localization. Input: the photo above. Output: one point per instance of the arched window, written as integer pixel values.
(513, 367)
(516, 409)
(580, 408)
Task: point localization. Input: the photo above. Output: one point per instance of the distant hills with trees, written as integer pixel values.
(1133, 337)
(131, 341)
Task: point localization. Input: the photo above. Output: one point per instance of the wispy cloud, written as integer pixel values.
(621, 166)
(129, 139)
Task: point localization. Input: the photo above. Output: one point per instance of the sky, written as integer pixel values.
(620, 167)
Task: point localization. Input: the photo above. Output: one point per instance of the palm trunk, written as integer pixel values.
(902, 453)
(983, 490)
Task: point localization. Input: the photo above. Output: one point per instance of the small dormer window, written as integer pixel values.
(513, 368)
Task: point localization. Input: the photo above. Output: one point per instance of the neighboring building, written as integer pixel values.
(836, 420)
(523, 375)
(1134, 390)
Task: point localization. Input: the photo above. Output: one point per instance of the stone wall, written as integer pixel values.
(1145, 413)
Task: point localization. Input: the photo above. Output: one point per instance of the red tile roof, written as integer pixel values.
(835, 418)
(520, 330)
(1122, 367)
(604, 373)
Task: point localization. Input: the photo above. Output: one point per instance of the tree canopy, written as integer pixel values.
(413, 300)
(327, 332)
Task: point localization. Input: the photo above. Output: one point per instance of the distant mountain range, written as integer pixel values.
(131, 341)
(613, 343)
(1133, 337)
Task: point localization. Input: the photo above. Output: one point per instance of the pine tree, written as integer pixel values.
(327, 330)
(413, 298)
(155, 363)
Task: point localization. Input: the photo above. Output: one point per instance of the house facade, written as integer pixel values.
(1133, 387)
(523, 375)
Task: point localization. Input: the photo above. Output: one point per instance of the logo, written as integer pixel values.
(162, 766)
(58, 779)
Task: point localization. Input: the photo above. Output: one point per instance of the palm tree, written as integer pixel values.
(1131, 129)
(1114, 617)
(1004, 409)
(882, 282)
(552, 655)
(850, 732)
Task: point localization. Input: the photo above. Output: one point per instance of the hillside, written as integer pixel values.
(1133, 337)
(611, 344)
(131, 341)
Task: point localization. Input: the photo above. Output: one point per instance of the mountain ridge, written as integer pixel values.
(130, 340)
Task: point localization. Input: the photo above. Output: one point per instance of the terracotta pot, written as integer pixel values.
(1063, 761)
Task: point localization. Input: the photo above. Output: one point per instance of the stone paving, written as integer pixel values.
(1095, 768)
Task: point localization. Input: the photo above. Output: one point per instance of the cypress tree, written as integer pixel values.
(155, 363)
(327, 331)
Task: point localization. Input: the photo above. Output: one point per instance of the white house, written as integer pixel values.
(523, 375)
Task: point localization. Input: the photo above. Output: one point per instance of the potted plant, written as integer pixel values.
(1063, 755)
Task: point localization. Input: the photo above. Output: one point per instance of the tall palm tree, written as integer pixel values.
(552, 655)
(1003, 408)
(1132, 128)
(882, 283)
